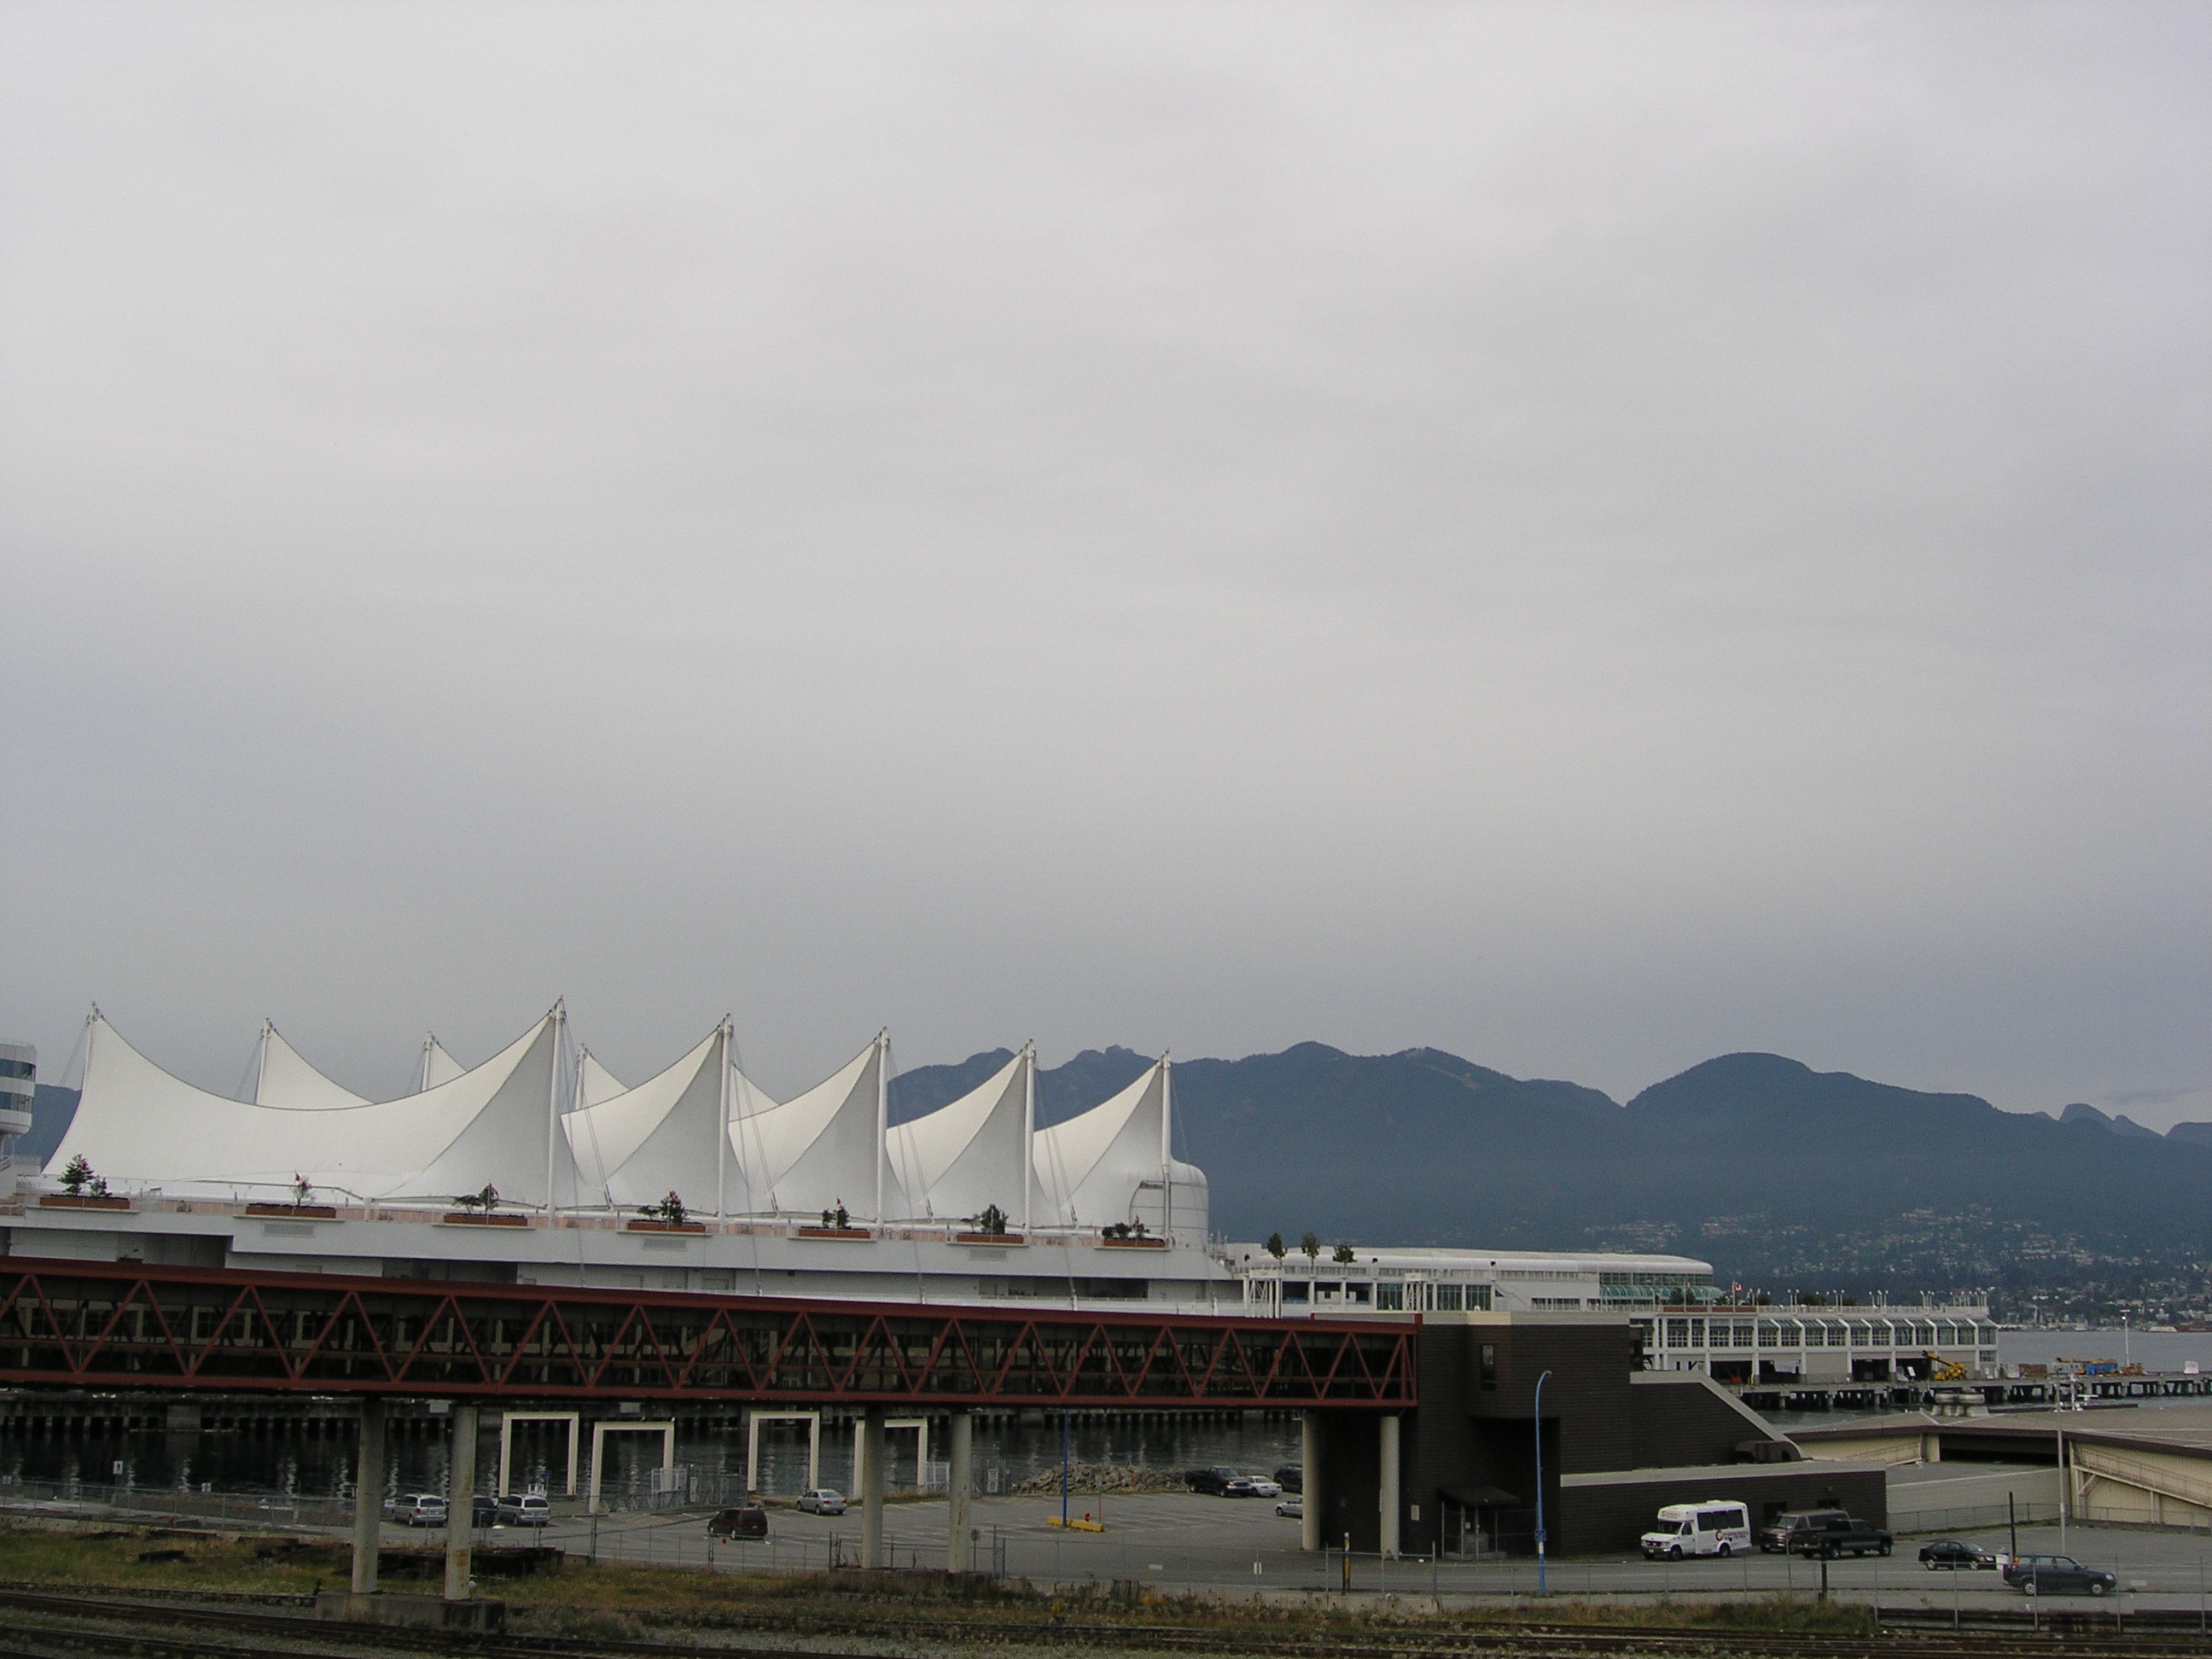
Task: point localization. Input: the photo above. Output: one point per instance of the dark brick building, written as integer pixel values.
(1618, 1442)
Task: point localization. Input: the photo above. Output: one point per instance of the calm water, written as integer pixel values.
(2155, 1350)
(1005, 1455)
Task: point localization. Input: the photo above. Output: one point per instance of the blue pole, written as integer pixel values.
(1540, 1483)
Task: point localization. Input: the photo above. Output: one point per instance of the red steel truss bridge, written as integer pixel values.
(123, 1325)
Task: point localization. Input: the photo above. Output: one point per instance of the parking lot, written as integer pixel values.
(1184, 1541)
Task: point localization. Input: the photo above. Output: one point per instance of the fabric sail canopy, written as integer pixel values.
(136, 1125)
(1112, 1164)
(594, 1083)
(283, 1077)
(957, 1160)
(636, 1147)
(437, 1066)
(823, 1149)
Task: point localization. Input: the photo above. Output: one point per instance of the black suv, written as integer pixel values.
(1291, 1477)
(2056, 1575)
(1214, 1482)
(749, 1521)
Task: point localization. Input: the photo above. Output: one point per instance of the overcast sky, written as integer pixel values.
(1588, 536)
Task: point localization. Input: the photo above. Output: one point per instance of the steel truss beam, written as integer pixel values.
(121, 1325)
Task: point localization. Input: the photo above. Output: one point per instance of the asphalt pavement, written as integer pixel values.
(1182, 1541)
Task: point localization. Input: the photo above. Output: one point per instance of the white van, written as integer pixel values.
(1713, 1528)
(425, 1509)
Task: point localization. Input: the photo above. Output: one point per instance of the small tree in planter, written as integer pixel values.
(79, 1182)
(1309, 1245)
(993, 1221)
(1344, 1255)
(483, 1203)
(303, 1190)
(844, 1222)
(670, 1209)
(1275, 1247)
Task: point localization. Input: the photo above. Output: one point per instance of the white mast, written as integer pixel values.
(722, 1126)
(1167, 1148)
(553, 1101)
(261, 1062)
(882, 1114)
(429, 1042)
(1029, 1132)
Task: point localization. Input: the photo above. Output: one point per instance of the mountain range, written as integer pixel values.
(1755, 1162)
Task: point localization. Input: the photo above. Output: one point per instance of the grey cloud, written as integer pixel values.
(1589, 537)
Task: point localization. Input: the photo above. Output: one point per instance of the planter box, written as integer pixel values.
(469, 1218)
(988, 1238)
(663, 1226)
(295, 1211)
(834, 1232)
(1132, 1243)
(64, 1201)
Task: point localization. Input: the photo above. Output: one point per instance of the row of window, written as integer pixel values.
(1415, 1297)
(1825, 1332)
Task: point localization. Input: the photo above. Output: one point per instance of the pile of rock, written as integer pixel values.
(1102, 1477)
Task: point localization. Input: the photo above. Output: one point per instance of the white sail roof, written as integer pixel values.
(283, 1078)
(1088, 1168)
(138, 1126)
(952, 1162)
(594, 1083)
(823, 1149)
(637, 1146)
(437, 1066)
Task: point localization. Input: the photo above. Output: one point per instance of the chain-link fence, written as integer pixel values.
(90, 1500)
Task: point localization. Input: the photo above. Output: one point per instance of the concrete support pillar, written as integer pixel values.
(962, 1483)
(460, 1502)
(368, 1496)
(1309, 1456)
(1392, 1500)
(872, 1487)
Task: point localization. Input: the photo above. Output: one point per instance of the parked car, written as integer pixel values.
(1776, 1538)
(748, 1521)
(1293, 1508)
(484, 1512)
(421, 1509)
(821, 1501)
(2056, 1575)
(1956, 1553)
(1211, 1481)
(1263, 1487)
(1291, 1477)
(1238, 1485)
(1714, 1527)
(525, 1510)
(1839, 1535)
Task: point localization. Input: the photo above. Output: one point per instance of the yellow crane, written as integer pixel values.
(1940, 1369)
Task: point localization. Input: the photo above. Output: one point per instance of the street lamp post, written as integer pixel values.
(1538, 1413)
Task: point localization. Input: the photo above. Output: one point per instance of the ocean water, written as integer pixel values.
(2154, 1351)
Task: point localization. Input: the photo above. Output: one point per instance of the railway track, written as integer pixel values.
(81, 1627)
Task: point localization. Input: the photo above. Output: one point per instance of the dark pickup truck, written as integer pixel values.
(1774, 1537)
(1831, 1534)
